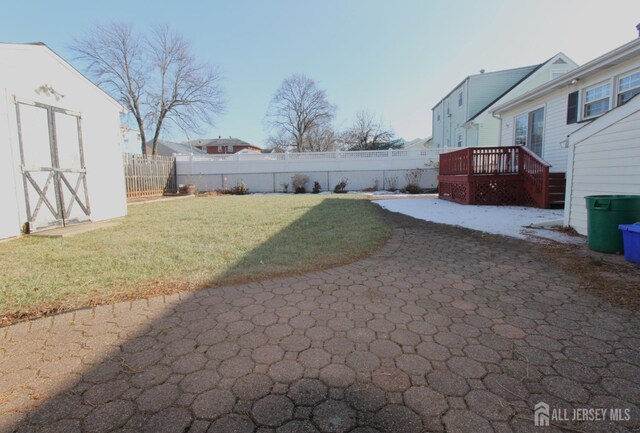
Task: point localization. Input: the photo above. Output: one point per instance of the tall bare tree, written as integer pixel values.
(323, 138)
(367, 132)
(157, 79)
(298, 107)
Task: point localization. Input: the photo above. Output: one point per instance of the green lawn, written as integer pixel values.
(186, 244)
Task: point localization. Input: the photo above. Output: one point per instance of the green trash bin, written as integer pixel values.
(604, 214)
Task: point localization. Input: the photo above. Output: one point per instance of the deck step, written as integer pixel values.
(556, 190)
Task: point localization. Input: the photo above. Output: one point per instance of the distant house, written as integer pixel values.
(463, 117)
(419, 143)
(131, 141)
(60, 143)
(170, 148)
(542, 118)
(223, 146)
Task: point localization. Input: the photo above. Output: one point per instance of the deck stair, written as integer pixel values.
(556, 190)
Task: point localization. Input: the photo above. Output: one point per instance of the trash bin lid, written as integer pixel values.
(630, 227)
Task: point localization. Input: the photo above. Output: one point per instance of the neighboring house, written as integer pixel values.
(462, 118)
(604, 158)
(131, 141)
(223, 146)
(419, 143)
(48, 108)
(542, 118)
(170, 148)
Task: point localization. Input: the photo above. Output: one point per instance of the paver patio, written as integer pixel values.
(444, 329)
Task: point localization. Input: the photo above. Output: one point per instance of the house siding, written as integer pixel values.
(608, 162)
(484, 88)
(556, 129)
(484, 129)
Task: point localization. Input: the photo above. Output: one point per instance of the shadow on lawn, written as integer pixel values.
(225, 359)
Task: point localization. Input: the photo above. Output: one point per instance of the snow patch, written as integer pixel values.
(514, 221)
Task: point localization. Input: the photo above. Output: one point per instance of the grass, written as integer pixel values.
(187, 244)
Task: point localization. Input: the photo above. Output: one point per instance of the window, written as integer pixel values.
(459, 141)
(460, 99)
(230, 149)
(522, 125)
(438, 117)
(219, 149)
(596, 100)
(628, 87)
(572, 108)
(557, 74)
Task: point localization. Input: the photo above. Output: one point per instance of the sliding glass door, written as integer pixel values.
(529, 130)
(536, 131)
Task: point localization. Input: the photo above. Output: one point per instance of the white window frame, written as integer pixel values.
(220, 149)
(459, 139)
(527, 133)
(460, 99)
(584, 102)
(556, 71)
(619, 79)
(515, 127)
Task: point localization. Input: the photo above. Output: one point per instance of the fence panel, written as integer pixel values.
(148, 176)
(374, 169)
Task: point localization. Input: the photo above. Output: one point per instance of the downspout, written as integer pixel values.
(569, 183)
(497, 116)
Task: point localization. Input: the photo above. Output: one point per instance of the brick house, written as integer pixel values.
(223, 146)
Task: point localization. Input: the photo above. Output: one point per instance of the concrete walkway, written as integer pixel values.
(442, 330)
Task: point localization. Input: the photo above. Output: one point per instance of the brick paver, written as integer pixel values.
(442, 330)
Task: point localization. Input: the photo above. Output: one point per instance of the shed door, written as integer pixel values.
(52, 165)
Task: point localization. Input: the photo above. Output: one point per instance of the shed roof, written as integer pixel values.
(46, 49)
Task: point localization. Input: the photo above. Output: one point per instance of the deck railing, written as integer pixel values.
(530, 171)
(535, 172)
(481, 160)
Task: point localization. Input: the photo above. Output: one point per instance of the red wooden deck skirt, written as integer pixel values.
(510, 175)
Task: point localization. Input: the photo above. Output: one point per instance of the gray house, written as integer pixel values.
(463, 117)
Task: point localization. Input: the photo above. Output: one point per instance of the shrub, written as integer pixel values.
(413, 189)
(188, 189)
(341, 187)
(299, 181)
(285, 187)
(241, 188)
(392, 183)
(316, 187)
(413, 180)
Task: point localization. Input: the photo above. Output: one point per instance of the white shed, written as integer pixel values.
(604, 158)
(60, 160)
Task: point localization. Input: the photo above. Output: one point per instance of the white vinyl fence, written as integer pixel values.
(269, 172)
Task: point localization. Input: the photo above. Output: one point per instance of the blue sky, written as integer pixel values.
(395, 58)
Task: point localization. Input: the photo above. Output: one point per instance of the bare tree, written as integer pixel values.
(298, 107)
(367, 132)
(157, 79)
(323, 138)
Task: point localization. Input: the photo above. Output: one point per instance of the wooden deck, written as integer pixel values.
(509, 175)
